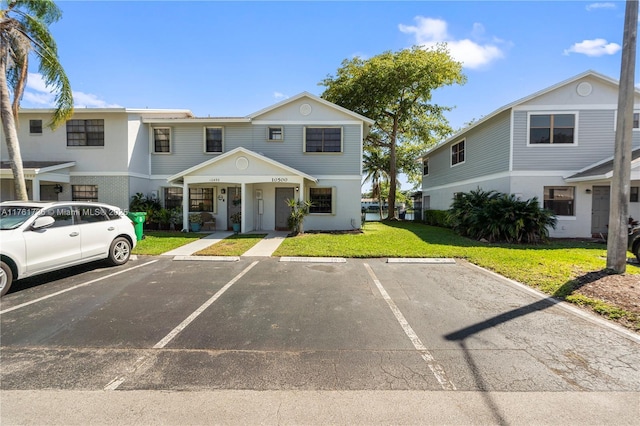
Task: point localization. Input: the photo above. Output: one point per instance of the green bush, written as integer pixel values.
(437, 218)
(499, 217)
(142, 203)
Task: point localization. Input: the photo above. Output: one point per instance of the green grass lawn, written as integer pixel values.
(235, 245)
(158, 242)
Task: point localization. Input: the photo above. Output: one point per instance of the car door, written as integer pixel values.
(56, 246)
(96, 231)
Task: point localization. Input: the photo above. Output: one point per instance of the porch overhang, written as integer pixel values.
(240, 165)
(53, 171)
(603, 170)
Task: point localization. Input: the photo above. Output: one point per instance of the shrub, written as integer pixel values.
(437, 218)
(142, 203)
(495, 217)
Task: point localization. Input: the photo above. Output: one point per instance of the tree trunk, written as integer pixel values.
(620, 185)
(10, 132)
(393, 171)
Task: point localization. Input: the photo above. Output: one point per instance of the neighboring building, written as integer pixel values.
(556, 144)
(304, 148)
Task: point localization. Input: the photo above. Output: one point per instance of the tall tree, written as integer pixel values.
(24, 30)
(395, 89)
(375, 166)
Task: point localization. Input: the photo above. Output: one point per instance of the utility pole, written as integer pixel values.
(621, 181)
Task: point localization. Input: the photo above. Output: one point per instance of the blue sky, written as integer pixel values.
(235, 58)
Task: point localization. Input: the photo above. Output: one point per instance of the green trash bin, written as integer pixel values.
(138, 219)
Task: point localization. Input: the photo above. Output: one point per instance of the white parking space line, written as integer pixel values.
(162, 343)
(434, 366)
(13, 308)
(116, 382)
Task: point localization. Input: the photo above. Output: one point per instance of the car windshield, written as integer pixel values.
(13, 216)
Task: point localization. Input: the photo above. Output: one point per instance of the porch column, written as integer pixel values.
(185, 206)
(301, 191)
(243, 209)
(35, 188)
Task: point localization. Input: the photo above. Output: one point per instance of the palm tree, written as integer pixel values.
(374, 166)
(24, 30)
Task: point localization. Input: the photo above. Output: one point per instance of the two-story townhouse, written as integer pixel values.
(556, 144)
(303, 148)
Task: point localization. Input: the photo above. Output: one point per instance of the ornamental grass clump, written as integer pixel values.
(498, 217)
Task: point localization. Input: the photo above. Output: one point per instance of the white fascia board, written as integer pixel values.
(56, 167)
(196, 120)
(317, 99)
(307, 122)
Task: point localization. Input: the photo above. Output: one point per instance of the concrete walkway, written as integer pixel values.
(265, 247)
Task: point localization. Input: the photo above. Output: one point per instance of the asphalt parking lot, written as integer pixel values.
(287, 340)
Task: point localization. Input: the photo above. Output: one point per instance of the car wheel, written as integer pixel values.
(119, 252)
(6, 278)
(636, 251)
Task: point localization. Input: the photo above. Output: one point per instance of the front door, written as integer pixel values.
(282, 208)
(600, 209)
(234, 204)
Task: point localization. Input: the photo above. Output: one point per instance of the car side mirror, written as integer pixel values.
(42, 222)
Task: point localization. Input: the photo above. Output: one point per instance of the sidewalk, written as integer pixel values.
(264, 248)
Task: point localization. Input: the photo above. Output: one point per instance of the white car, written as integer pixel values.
(38, 237)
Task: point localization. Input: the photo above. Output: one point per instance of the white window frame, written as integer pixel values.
(304, 141)
(572, 200)
(269, 128)
(333, 200)
(461, 141)
(153, 141)
(576, 117)
(425, 163)
(204, 140)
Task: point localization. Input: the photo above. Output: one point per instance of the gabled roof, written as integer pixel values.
(602, 169)
(589, 73)
(239, 150)
(315, 98)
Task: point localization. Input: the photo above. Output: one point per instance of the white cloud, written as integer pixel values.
(595, 47)
(39, 94)
(279, 96)
(88, 100)
(428, 32)
(594, 6)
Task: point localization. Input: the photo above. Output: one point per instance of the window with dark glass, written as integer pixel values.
(425, 167)
(213, 142)
(84, 192)
(323, 139)
(551, 128)
(91, 214)
(321, 200)
(201, 199)
(62, 215)
(275, 134)
(85, 132)
(161, 140)
(172, 197)
(457, 153)
(560, 200)
(35, 127)
(634, 194)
